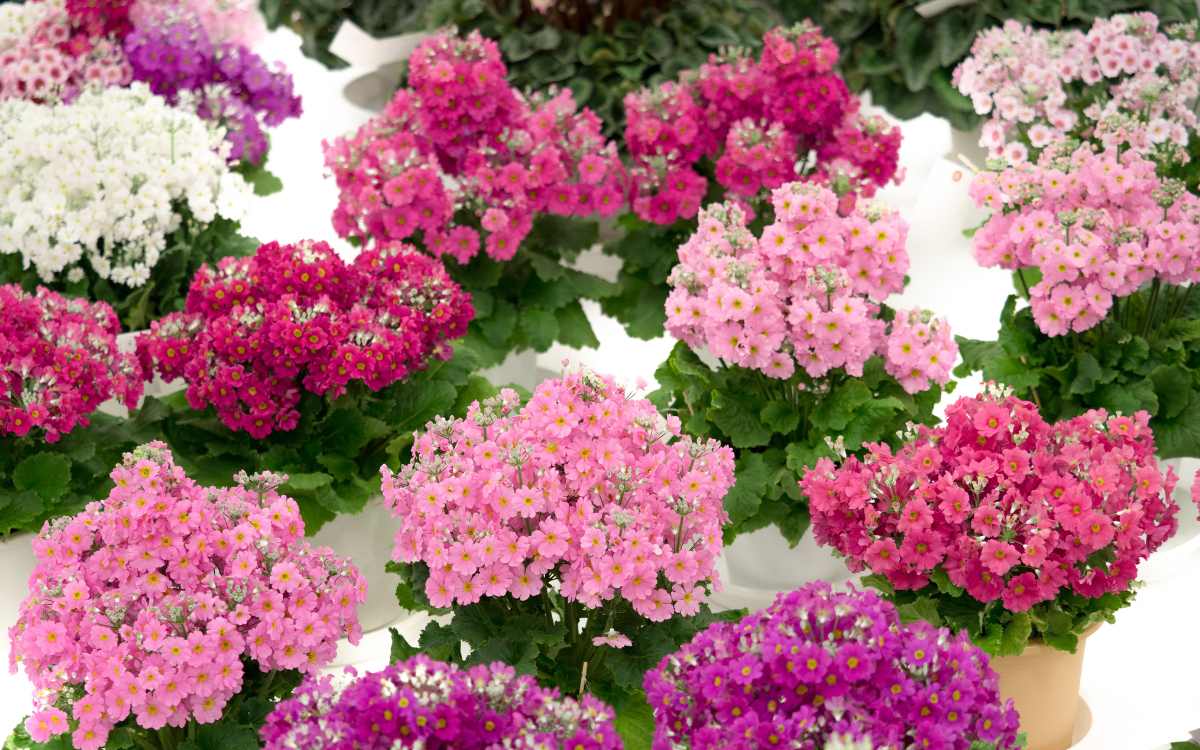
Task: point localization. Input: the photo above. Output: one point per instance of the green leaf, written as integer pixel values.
(401, 649)
(1016, 634)
(922, 608)
(540, 327)
(944, 584)
(880, 583)
(744, 498)
(635, 723)
(1128, 398)
(780, 416)
(545, 38)
(574, 329)
(1173, 386)
(918, 58)
(47, 474)
(346, 430)
(738, 419)
(1088, 374)
(1179, 437)
(308, 482)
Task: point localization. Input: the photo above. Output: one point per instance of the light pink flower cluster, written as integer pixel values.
(1123, 82)
(763, 122)
(584, 485)
(259, 330)
(224, 21)
(59, 360)
(53, 59)
(1011, 508)
(153, 601)
(808, 293)
(1098, 226)
(459, 157)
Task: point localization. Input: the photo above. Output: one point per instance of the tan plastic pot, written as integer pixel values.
(1044, 684)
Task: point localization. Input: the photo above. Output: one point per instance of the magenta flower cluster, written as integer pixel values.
(807, 294)
(1122, 83)
(585, 486)
(59, 360)
(820, 664)
(459, 159)
(422, 703)
(1098, 225)
(258, 331)
(1011, 508)
(149, 604)
(756, 119)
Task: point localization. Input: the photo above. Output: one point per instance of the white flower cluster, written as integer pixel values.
(18, 19)
(103, 181)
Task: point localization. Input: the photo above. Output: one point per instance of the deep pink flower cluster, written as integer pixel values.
(59, 361)
(584, 485)
(1123, 82)
(459, 158)
(153, 600)
(756, 119)
(807, 293)
(820, 664)
(258, 330)
(1013, 509)
(1098, 225)
(422, 703)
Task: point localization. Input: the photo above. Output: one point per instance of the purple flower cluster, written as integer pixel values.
(228, 82)
(819, 664)
(436, 706)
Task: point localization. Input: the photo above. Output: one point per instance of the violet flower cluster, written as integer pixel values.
(59, 360)
(149, 604)
(1123, 83)
(1098, 225)
(584, 487)
(807, 294)
(459, 158)
(820, 665)
(422, 703)
(763, 122)
(1010, 508)
(259, 331)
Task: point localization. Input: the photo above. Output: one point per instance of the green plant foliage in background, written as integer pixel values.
(906, 60)
(317, 21)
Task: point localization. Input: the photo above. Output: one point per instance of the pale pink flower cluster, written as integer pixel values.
(807, 293)
(225, 21)
(1097, 225)
(150, 603)
(584, 489)
(1122, 82)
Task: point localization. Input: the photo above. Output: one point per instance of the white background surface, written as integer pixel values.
(1140, 675)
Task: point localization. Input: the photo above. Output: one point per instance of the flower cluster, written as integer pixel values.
(807, 293)
(821, 666)
(60, 361)
(1123, 82)
(1097, 225)
(149, 604)
(224, 21)
(1011, 508)
(584, 486)
(459, 158)
(102, 182)
(421, 703)
(764, 122)
(258, 331)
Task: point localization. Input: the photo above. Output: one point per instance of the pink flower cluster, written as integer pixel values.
(1123, 82)
(59, 360)
(258, 331)
(58, 56)
(756, 119)
(1098, 225)
(1011, 508)
(459, 158)
(806, 294)
(150, 603)
(585, 486)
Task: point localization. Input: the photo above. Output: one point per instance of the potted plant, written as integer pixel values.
(422, 703)
(170, 614)
(828, 669)
(299, 362)
(574, 537)
(785, 344)
(502, 188)
(1022, 533)
(735, 129)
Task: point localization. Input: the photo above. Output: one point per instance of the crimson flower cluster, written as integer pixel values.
(59, 360)
(459, 158)
(584, 485)
(1011, 508)
(422, 703)
(257, 331)
(763, 122)
(149, 604)
(820, 664)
